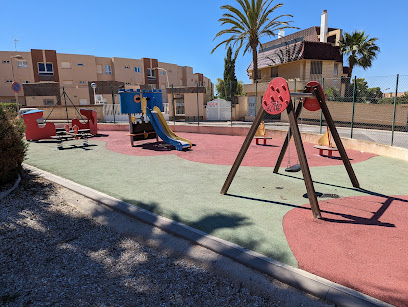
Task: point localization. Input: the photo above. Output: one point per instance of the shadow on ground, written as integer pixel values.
(53, 254)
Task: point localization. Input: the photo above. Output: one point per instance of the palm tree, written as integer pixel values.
(248, 24)
(361, 50)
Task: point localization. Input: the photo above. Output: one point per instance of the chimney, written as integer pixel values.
(281, 33)
(323, 27)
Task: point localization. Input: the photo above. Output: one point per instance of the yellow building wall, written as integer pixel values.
(105, 61)
(128, 75)
(21, 74)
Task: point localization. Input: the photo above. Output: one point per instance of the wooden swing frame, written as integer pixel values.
(293, 115)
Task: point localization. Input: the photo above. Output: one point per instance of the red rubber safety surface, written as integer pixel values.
(361, 243)
(223, 149)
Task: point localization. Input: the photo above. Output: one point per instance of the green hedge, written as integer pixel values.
(10, 108)
(12, 145)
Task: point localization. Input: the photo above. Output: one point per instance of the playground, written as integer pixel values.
(360, 235)
(340, 214)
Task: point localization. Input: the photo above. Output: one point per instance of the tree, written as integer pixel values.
(361, 89)
(12, 145)
(331, 93)
(219, 87)
(366, 94)
(240, 89)
(359, 49)
(374, 94)
(249, 22)
(230, 80)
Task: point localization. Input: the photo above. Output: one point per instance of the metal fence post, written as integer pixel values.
(256, 94)
(113, 102)
(174, 107)
(321, 112)
(198, 109)
(395, 109)
(354, 104)
(231, 99)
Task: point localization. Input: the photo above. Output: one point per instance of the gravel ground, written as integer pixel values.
(51, 253)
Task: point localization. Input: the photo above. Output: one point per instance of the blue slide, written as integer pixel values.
(161, 132)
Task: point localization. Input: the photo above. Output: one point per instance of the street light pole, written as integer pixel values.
(167, 76)
(93, 85)
(168, 85)
(14, 78)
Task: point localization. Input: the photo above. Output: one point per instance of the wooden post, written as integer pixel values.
(130, 129)
(336, 136)
(287, 140)
(311, 193)
(243, 150)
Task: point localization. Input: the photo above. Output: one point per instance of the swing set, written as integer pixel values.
(74, 130)
(275, 100)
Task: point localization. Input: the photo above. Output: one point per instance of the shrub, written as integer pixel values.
(10, 108)
(12, 145)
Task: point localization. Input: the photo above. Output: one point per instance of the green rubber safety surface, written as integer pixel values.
(189, 192)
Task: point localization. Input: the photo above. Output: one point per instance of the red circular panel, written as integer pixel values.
(312, 104)
(276, 97)
(136, 98)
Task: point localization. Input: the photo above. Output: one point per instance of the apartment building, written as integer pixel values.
(41, 72)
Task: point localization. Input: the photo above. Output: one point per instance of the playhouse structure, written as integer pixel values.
(146, 120)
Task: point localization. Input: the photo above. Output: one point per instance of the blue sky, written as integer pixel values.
(182, 31)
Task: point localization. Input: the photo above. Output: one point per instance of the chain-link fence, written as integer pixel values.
(369, 108)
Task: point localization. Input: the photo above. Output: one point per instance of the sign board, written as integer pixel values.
(99, 99)
(16, 87)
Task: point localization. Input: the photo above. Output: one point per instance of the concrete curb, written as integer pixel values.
(295, 277)
(15, 185)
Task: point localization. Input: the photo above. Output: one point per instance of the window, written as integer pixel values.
(80, 64)
(82, 82)
(9, 81)
(162, 73)
(151, 74)
(316, 67)
(22, 64)
(336, 69)
(127, 83)
(26, 81)
(274, 72)
(98, 69)
(6, 61)
(126, 67)
(108, 70)
(45, 69)
(65, 65)
(137, 69)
